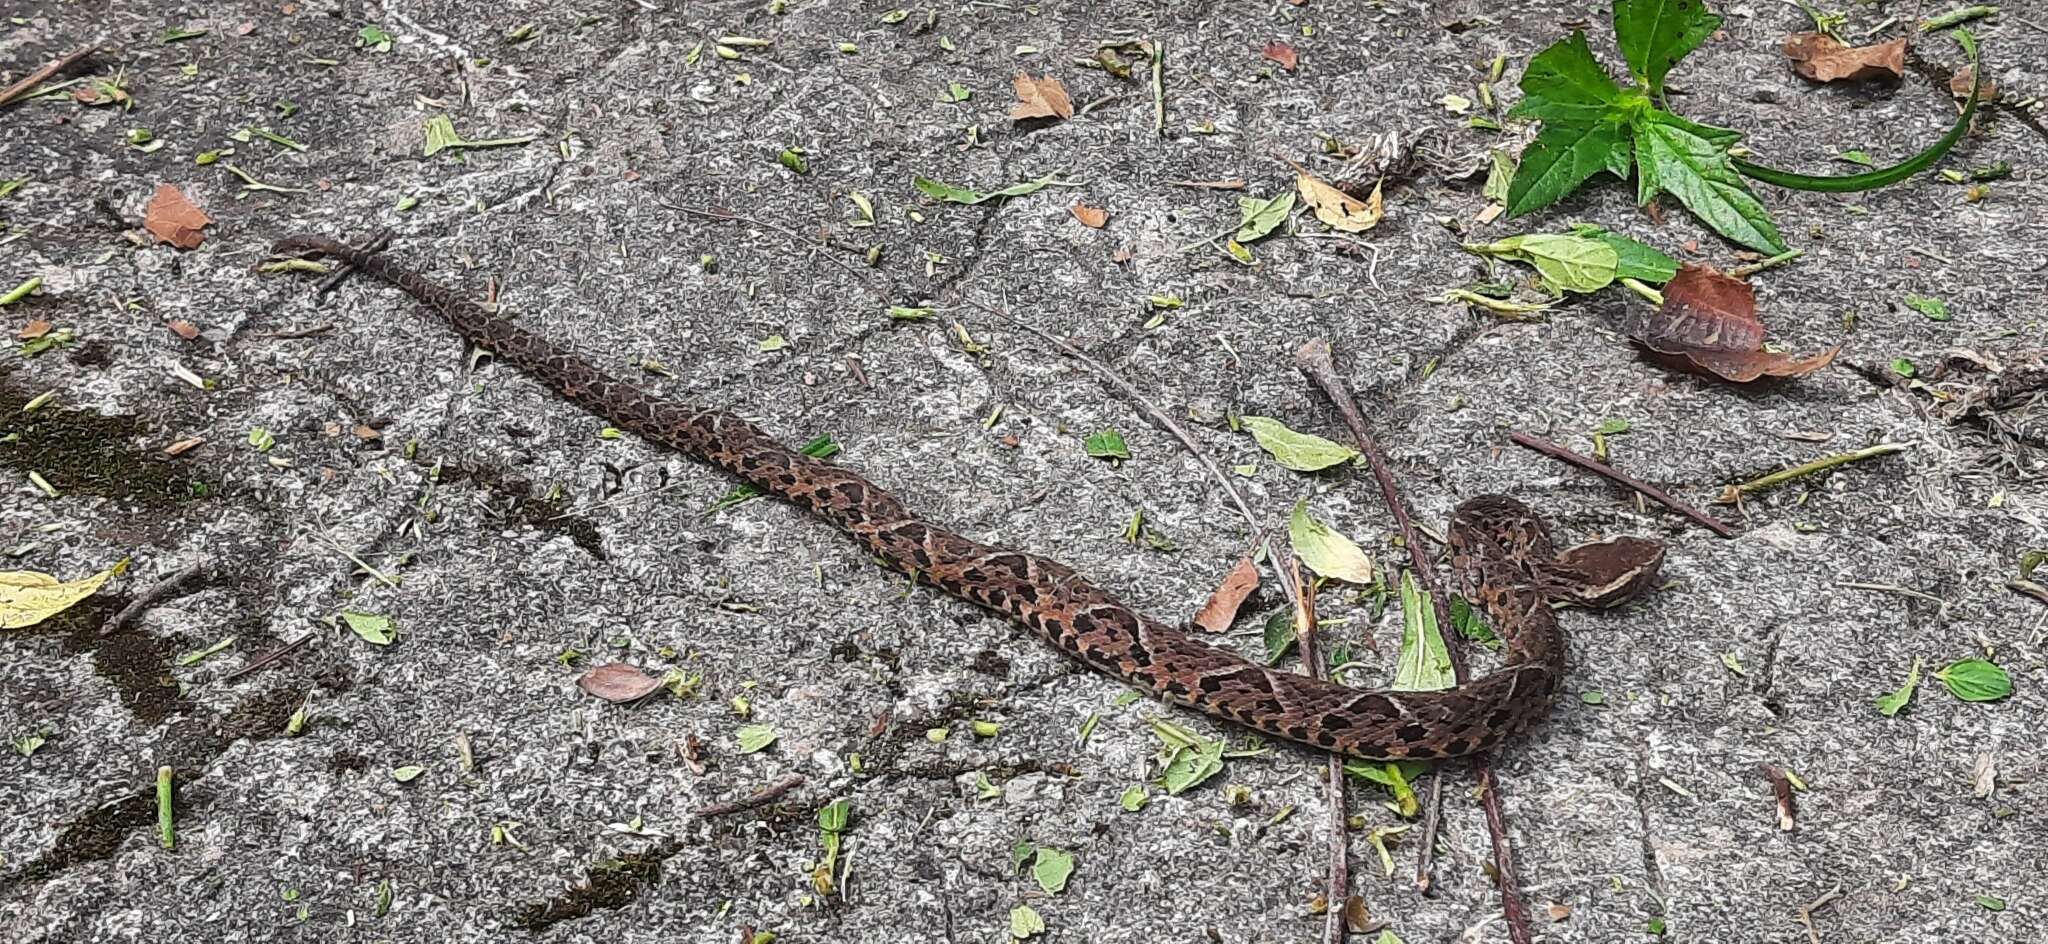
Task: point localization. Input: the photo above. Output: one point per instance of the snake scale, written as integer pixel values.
(1500, 550)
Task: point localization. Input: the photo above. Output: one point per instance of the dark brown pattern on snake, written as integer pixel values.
(1500, 550)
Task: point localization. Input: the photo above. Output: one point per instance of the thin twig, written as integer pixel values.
(2028, 588)
(1284, 575)
(156, 593)
(763, 797)
(377, 243)
(1649, 491)
(1733, 493)
(1806, 913)
(1745, 271)
(37, 77)
(1313, 359)
(268, 658)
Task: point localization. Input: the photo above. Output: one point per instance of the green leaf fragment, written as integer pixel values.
(1567, 263)
(1107, 444)
(964, 196)
(1025, 923)
(1633, 260)
(407, 773)
(1425, 664)
(1889, 705)
(1562, 157)
(1257, 217)
(1990, 903)
(1052, 869)
(1934, 308)
(1655, 34)
(1302, 452)
(1279, 636)
(1191, 766)
(1325, 551)
(754, 737)
(375, 630)
(1469, 623)
(1975, 680)
(1135, 798)
(1593, 697)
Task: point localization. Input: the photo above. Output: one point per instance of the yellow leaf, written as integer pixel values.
(1337, 209)
(28, 597)
(1325, 551)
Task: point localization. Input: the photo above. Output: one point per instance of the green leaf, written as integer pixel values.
(1466, 619)
(1256, 217)
(961, 195)
(1564, 84)
(1397, 778)
(832, 816)
(1889, 705)
(1593, 697)
(375, 630)
(1857, 157)
(261, 439)
(1674, 156)
(1279, 636)
(1053, 867)
(793, 158)
(1135, 798)
(1108, 444)
(407, 773)
(1990, 903)
(1025, 923)
(1975, 680)
(1934, 308)
(1903, 367)
(1192, 765)
(1499, 177)
(1851, 183)
(1425, 664)
(754, 737)
(1325, 551)
(1633, 260)
(1612, 426)
(1567, 263)
(1561, 158)
(1301, 452)
(1655, 34)
(440, 135)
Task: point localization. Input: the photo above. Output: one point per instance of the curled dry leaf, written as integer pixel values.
(172, 218)
(1337, 209)
(1282, 54)
(618, 682)
(183, 329)
(1708, 323)
(1823, 58)
(35, 328)
(1091, 217)
(1044, 97)
(1217, 614)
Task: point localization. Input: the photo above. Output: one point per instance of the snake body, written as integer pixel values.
(1500, 550)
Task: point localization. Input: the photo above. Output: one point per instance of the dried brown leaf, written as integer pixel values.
(35, 328)
(1708, 323)
(1044, 97)
(618, 682)
(183, 329)
(1217, 614)
(1091, 217)
(1282, 54)
(1959, 85)
(1823, 58)
(1337, 209)
(185, 445)
(172, 218)
(1357, 919)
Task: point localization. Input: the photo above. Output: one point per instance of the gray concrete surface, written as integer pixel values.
(516, 532)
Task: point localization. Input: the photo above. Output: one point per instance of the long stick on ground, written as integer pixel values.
(1313, 359)
(1284, 574)
(1649, 491)
(33, 79)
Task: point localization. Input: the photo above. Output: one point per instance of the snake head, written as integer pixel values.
(1602, 574)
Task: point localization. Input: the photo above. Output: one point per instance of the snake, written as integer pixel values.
(1500, 550)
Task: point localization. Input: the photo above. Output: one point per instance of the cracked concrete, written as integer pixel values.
(522, 544)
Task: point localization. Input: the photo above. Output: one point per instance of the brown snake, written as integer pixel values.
(1500, 550)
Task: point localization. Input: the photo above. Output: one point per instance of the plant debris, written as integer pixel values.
(1337, 209)
(1091, 217)
(1708, 323)
(1281, 54)
(1325, 551)
(1216, 614)
(28, 597)
(1044, 97)
(171, 217)
(1823, 58)
(617, 682)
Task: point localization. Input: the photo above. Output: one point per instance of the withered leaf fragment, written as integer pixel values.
(618, 682)
(1823, 58)
(172, 218)
(1708, 324)
(1040, 98)
(1217, 614)
(1281, 54)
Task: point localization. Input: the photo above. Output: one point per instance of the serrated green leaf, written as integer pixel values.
(374, 629)
(1655, 34)
(1975, 680)
(1633, 260)
(1301, 452)
(1672, 156)
(1564, 84)
(1567, 263)
(1052, 869)
(1325, 551)
(1258, 217)
(1561, 158)
(1889, 705)
(1425, 663)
